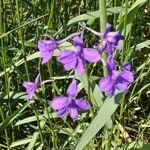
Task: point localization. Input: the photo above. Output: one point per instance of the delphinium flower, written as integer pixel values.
(69, 104)
(47, 48)
(110, 40)
(31, 87)
(76, 59)
(116, 79)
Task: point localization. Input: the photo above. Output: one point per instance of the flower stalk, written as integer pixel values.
(103, 21)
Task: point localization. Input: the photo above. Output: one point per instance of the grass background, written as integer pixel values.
(33, 125)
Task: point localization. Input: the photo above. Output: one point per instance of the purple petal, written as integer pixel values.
(91, 55)
(127, 66)
(108, 26)
(126, 76)
(120, 37)
(106, 84)
(111, 92)
(30, 89)
(46, 48)
(46, 45)
(80, 66)
(72, 89)
(115, 74)
(122, 87)
(66, 56)
(109, 48)
(82, 104)
(46, 56)
(112, 37)
(71, 65)
(111, 65)
(78, 41)
(37, 80)
(102, 46)
(68, 59)
(59, 102)
(73, 113)
(63, 112)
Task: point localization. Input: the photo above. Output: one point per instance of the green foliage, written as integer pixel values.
(116, 123)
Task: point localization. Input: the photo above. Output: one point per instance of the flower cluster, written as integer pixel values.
(70, 104)
(76, 60)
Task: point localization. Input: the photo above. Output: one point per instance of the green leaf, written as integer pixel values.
(103, 116)
(35, 136)
(13, 116)
(97, 94)
(143, 45)
(20, 142)
(34, 56)
(131, 16)
(90, 17)
(34, 118)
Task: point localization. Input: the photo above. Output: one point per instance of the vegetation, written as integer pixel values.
(119, 122)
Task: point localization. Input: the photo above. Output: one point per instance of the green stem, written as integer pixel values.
(54, 83)
(125, 30)
(38, 122)
(103, 15)
(120, 118)
(103, 21)
(51, 14)
(22, 39)
(6, 132)
(2, 29)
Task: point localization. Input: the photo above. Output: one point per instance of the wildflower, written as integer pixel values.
(76, 59)
(116, 79)
(31, 87)
(110, 40)
(70, 104)
(47, 48)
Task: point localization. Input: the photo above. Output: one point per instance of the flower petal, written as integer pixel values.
(46, 45)
(108, 26)
(127, 66)
(82, 104)
(78, 41)
(68, 59)
(106, 84)
(46, 56)
(112, 36)
(111, 92)
(30, 89)
(110, 48)
(59, 102)
(126, 76)
(72, 89)
(122, 87)
(111, 65)
(73, 113)
(91, 55)
(80, 66)
(63, 112)
(46, 48)
(66, 56)
(37, 80)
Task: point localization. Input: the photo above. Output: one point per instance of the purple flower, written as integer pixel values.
(76, 59)
(47, 48)
(70, 104)
(31, 87)
(110, 40)
(116, 79)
